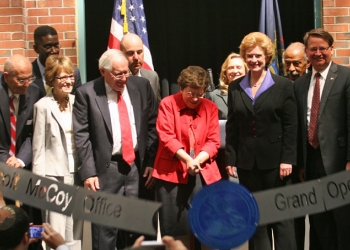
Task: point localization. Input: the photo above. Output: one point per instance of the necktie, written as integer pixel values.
(128, 153)
(313, 136)
(13, 122)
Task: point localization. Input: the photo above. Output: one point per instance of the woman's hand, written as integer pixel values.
(193, 166)
(232, 171)
(285, 170)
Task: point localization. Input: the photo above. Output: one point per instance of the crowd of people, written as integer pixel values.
(115, 134)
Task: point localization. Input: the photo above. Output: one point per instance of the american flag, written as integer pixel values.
(129, 16)
(270, 24)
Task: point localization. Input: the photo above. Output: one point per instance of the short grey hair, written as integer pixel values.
(105, 61)
(296, 46)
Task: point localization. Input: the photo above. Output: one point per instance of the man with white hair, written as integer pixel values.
(295, 60)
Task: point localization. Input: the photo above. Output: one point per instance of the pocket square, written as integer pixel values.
(29, 122)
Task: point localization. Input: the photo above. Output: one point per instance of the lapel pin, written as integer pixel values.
(332, 78)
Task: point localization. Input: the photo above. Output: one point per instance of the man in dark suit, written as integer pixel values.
(323, 97)
(98, 127)
(132, 47)
(16, 80)
(15, 83)
(46, 43)
(296, 64)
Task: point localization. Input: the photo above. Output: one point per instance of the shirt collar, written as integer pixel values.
(323, 73)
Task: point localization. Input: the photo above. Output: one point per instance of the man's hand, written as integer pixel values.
(232, 171)
(138, 242)
(14, 162)
(285, 170)
(52, 238)
(347, 167)
(150, 180)
(173, 244)
(92, 183)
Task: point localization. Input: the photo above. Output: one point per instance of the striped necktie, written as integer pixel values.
(13, 122)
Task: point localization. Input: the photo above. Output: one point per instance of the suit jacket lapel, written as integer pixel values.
(305, 90)
(55, 111)
(261, 98)
(134, 95)
(331, 77)
(4, 107)
(38, 81)
(22, 114)
(102, 102)
(247, 101)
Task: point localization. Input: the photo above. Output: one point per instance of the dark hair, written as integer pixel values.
(194, 77)
(14, 224)
(319, 32)
(43, 31)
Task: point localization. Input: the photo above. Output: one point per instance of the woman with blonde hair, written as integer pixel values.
(54, 154)
(261, 133)
(232, 68)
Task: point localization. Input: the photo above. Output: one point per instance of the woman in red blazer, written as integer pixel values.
(189, 138)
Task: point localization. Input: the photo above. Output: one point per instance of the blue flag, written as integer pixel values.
(270, 24)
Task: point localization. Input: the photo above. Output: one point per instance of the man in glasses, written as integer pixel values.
(132, 47)
(114, 123)
(17, 98)
(323, 97)
(46, 43)
(295, 60)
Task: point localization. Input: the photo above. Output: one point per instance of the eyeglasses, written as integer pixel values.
(65, 78)
(195, 95)
(50, 46)
(120, 75)
(321, 49)
(24, 80)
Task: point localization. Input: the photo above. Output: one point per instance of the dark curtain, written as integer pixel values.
(193, 32)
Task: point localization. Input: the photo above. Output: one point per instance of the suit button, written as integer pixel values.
(195, 126)
(254, 128)
(253, 121)
(107, 164)
(111, 146)
(254, 136)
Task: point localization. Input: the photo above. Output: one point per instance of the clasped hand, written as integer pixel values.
(193, 166)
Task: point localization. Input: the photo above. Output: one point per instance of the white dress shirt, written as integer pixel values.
(112, 98)
(312, 87)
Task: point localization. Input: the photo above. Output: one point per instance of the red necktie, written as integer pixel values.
(313, 136)
(125, 126)
(13, 127)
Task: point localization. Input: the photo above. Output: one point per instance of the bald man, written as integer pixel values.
(295, 60)
(16, 82)
(132, 47)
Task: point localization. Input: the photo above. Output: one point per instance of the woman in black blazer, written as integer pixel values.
(261, 132)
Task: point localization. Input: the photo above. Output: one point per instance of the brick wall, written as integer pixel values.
(19, 19)
(336, 19)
